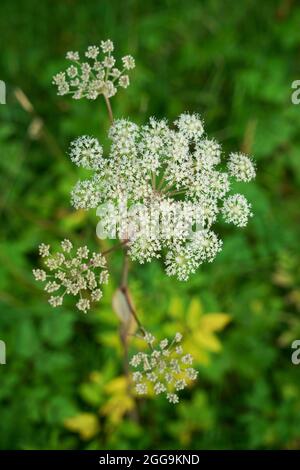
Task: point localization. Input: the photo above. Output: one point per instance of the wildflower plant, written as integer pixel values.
(160, 190)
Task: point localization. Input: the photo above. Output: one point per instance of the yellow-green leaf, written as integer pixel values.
(207, 341)
(85, 424)
(118, 385)
(194, 313)
(215, 321)
(176, 308)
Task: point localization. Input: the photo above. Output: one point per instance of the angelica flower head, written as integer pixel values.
(72, 273)
(171, 185)
(95, 75)
(164, 370)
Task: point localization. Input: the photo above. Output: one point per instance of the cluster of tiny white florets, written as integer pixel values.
(78, 274)
(164, 370)
(170, 178)
(241, 167)
(87, 152)
(237, 210)
(95, 75)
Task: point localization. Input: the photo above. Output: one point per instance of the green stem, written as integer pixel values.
(110, 113)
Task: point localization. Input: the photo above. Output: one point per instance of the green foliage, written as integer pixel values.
(63, 378)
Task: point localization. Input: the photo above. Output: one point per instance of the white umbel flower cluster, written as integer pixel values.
(94, 75)
(167, 186)
(241, 167)
(78, 274)
(237, 210)
(164, 370)
(86, 151)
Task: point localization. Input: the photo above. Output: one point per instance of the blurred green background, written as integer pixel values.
(62, 386)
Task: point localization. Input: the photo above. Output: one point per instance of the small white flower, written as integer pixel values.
(56, 301)
(128, 62)
(169, 378)
(104, 276)
(66, 245)
(44, 250)
(86, 151)
(83, 304)
(180, 385)
(187, 359)
(164, 343)
(135, 360)
(83, 252)
(159, 388)
(149, 338)
(137, 376)
(72, 71)
(115, 73)
(107, 46)
(206, 245)
(178, 337)
(181, 261)
(207, 154)
(241, 167)
(52, 286)
(147, 364)
(237, 210)
(141, 389)
(191, 373)
(172, 398)
(109, 62)
(190, 125)
(96, 295)
(72, 55)
(39, 274)
(151, 377)
(92, 52)
(124, 81)
(85, 194)
(175, 366)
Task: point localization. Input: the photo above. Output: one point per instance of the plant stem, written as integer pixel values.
(175, 193)
(125, 290)
(115, 247)
(124, 329)
(110, 113)
(124, 279)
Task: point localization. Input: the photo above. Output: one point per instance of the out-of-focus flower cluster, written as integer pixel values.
(164, 370)
(163, 181)
(95, 75)
(71, 272)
